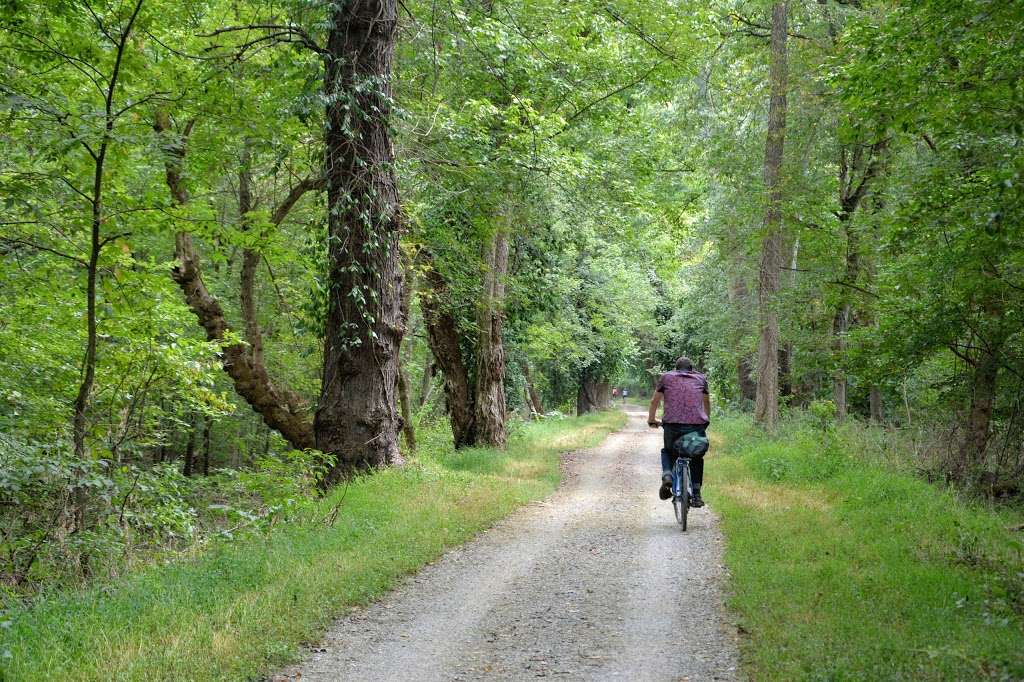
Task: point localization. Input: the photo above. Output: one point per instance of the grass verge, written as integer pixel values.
(243, 607)
(844, 568)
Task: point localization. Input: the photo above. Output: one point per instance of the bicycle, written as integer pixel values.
(681, 490)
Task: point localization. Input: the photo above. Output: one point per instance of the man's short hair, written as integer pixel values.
(684, 364)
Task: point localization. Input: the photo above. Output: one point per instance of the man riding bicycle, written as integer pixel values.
(687, 409)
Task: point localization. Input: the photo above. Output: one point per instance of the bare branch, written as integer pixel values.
(608, 95)
(294, 33)
(639, 32)
(40, 247)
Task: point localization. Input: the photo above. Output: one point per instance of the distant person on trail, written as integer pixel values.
(615, 393)
(687, 409)
(625, 394)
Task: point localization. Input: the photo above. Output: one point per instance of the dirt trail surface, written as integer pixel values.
(596, 583)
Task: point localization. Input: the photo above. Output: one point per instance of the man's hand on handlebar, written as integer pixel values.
(653, 423)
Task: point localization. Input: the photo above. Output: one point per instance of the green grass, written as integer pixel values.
(843, 567)
(242, 608)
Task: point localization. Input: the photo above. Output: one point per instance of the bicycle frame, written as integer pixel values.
(677, 477)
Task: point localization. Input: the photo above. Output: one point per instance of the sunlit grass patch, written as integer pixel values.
(843, 568)
(774, 497)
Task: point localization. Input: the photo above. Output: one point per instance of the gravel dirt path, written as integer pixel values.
(596, 583)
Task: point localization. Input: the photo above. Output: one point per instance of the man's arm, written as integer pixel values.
(707, 405)
(652, 413)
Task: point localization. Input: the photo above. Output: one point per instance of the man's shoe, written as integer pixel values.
(665, 491)
(696, 500)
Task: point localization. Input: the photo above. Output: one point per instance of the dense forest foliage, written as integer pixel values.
(250, 249)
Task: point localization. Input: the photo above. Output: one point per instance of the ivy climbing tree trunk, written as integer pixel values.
(357, 421)
(766, 407)
(491, 412)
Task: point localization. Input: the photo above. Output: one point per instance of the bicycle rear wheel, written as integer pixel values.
(683, 505)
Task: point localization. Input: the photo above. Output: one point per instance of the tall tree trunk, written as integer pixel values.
(250, 260)
(984, 383)
(443, 338)
(840, 328)
(875, 405)
(766, 408)
(786, 369)
(426, 382)
(79, 420)
(207, 424)
(584, 399)
(189, 461)
(531, 391)
(859, 167)
(491, 412)
(594, 394)
(786, 387)
(745, 379)
(357, 420)
(408, 431)
(843, 315)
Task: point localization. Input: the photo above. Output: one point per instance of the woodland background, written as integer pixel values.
(818, 201)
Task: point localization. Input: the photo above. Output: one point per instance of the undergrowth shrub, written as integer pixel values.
(131, 513)
(801, 453)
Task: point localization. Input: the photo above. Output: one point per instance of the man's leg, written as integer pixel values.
(697, 476)
(671, 434)
(697, 471)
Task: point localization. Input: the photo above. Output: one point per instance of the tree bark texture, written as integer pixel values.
(594, 394)
(739, 296)
(786, 387)
(984, 383)
(443, 339)
(426, 382)
(280, 408)
(875, 405)
(357, 420)
(859, 167)
(536, 407)
(840, 328)
(408, 431)
(188, 464)
(207, 425)
(491, 411)
(766, 407)
(250, 260)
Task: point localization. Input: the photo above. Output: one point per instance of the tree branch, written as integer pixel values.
(40, 247)
(303, 38)
(296, 193)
